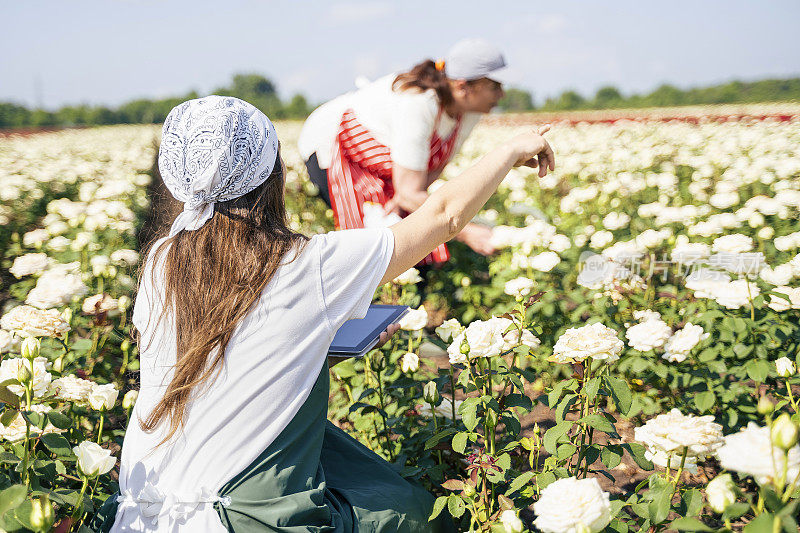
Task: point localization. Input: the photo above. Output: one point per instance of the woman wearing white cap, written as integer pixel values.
(375, 151)
(235, 314)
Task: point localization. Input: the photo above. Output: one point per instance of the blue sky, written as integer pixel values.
(108, 52)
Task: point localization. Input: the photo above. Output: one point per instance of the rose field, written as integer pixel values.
(626, 360)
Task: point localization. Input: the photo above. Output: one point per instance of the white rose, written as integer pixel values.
(129, 400)
(16, 428)
(668, 435)
(410, 362)
(601, 239)
(545, 261)
(572, 505)
(690, 252)
(8, 342)
(511, 522)
(58, 244)
(414, 319)
(56, 288)
(93, 460)
(749, 452)
(28, 321)
(721, 492)
(449, 329)
(100, 264)
(10, 367)
(595, 340)
(409, 277)
(513, 339)
(735, 294)
(648, 335)
(559, 243)
(28, 264)
(777, 303)
(72, 388)
(766, 233)
(484, 337)
(35, 238)
(780, 275)
(681, 343)
(126, 256)
(750, 263)
(703, 281)
(734, 243)
(795, 262)
(616, 220)
(100, 303)
(519, 287)
(102, 396)
(785, 367)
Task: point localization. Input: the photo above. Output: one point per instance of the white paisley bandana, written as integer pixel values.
(214, 149)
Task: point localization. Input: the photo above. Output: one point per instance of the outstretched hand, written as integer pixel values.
(383, 339)
(534, 151)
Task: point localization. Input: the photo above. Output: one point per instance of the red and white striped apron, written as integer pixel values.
(361, 171)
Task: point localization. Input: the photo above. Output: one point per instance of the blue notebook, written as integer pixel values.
(358, 336)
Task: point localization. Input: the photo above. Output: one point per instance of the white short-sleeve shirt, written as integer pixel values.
(404, 121)
(269, 369)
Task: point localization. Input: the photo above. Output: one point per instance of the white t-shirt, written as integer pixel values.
(269, 369)
(402, 120)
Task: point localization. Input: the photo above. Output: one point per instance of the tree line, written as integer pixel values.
(609, 97)
(262, 93)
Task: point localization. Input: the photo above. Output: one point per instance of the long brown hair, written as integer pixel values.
(213, 277)
(425, 76)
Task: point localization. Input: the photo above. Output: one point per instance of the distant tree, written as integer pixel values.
(246, 86)
(13, 115)
(566, 101)
(516, 100)
(665, 95)
(298, 107)
(607, 96)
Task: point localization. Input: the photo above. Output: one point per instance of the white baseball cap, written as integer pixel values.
(470, 59)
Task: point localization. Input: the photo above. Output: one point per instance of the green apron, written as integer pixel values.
(314, 477)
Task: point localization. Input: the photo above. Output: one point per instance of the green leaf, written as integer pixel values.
(620, 393)
(469, 412)
(436, 439)
(691, 503)
(8, 397)
(59, 420)
(735, 510)
(688, 523)
(760, 524)
(12, 497)
(455, 505)
(520, 481)
(460, 442)
(37, 419)
(591, 388)
(757, 369)
(611, 455)
(566, 450)
(704, 400)
(56, 444)
(598, 422)
(552, 435)
(23, 514)
(659, 507)
(636, 452)
(564, 405)
(438, 507)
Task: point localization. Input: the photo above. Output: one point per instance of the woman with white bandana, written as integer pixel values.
(235, 314)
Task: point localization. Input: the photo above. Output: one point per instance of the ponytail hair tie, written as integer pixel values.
(440, 65)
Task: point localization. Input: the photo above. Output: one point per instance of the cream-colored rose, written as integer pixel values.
(595, 340)
(100, 303)
(785, 367)
(8, 342)
(484, 337)
(444, 409)
(511, 522)
(776, 303)
(409, 277)
(519, 287)
(681, 343)
(28, 321)
(780, 275)
(129, 400)
(414, 319)
(102, 396)
(668, 435)
(11, 367)
(28, 264)
(688, 253)
(721, 492)
(410, 362)
(447, 330)
(123, 255)
(648, 334)
(545, 261)
(56, 288)
(750, 452)
(734, 243)
(35, 238)
(735, 294)
(93, 460)
(72, 388)
(16, 428)
(572, 505)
